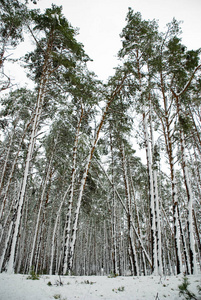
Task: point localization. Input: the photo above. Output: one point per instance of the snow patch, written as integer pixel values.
(17, 287)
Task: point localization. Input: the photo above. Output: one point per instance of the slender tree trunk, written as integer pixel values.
(151, 195)
(126, 212)
(6, 162)
(54, 232)
(186, 256)
(193, 263)
(197, 235)
(131, 245)
(40, 209)
(166, 125)
(156, 200)
(13, 169)
(85, 174)
(114, 244)
(70, 204)
(37, 115)
(190, 228)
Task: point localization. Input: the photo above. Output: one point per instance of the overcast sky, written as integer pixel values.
(101, 21)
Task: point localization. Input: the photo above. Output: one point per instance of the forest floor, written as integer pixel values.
(50, 287)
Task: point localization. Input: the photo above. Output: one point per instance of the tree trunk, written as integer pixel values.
(13, 169)
(37, 115)
(85, 174)
(40, 209)
(192, 252)
(70, 204)
(131, 245)
(151, 195)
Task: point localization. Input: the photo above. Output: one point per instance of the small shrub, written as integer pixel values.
(184, 291)
(113, 275)
(33, 275)
(88, 282)
(49, 283)
(57, 296)
(120, 289)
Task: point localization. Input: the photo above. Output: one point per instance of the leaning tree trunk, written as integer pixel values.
(85, 174)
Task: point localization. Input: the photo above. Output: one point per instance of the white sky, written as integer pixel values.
(101, 21)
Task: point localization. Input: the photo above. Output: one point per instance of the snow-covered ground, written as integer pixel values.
(18, 287)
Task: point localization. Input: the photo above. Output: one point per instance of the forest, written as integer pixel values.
(75, 198)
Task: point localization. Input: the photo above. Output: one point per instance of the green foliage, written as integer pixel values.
(119, 289)
(58, 296)
(88, 282)
(58, 44)
(13, 16)
(156, 157)
(49, 283)
(186, 123)
(19, 104)
(33, 275)
(113, 275)
(192, 59)
(138, 34)
(184, 291)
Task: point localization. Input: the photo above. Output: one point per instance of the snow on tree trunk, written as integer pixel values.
(156, 196)
(185, 248)
(3, 255)
(151, 195)
(37, 115)
(190, 228)
(167, 121)
(40, 209)
(197, 234)
(113, 217)
(131, 245)
(54, 231)
(158, 225)
(85, 174)
(176, 227)
(5, 165)
(70, 204)
(13, 169)
(126, 211)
